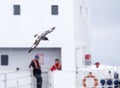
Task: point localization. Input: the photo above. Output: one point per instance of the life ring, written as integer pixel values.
(90, 76)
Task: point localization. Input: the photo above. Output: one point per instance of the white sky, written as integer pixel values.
(105, 24)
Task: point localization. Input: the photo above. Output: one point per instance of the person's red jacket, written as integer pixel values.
(56, 67)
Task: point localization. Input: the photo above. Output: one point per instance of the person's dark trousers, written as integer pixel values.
(39, 80)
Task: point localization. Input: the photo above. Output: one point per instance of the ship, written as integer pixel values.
(20, 20)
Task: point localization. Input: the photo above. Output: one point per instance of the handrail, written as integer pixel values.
(10, 72)
(19, 86)
(19, 77)
(5, 79)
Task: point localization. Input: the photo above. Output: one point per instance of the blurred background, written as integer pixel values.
(105, 34)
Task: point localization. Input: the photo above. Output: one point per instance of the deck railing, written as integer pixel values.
(25, 79)
(16, 79)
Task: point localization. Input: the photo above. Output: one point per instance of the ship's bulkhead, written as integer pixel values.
(13, 59)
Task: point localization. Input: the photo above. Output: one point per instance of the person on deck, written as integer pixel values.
(36, 70)
(56, 66)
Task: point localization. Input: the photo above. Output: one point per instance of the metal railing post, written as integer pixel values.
(31, 74)
(5, 80)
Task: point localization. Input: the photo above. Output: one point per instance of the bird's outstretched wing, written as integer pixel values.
(35, 35)
(48, 31)
(32, 48)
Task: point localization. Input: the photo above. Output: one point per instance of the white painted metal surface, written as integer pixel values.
(19, 57)
(70, 34)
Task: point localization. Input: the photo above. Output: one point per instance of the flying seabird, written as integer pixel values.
(40, 37)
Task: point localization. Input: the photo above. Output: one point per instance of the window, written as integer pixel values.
(16, 9)
(4, 59)
(54, 9)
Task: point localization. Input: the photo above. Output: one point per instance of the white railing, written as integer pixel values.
(16, 79)
(50, 79)
(24, 79)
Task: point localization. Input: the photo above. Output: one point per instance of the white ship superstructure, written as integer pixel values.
(22, 19)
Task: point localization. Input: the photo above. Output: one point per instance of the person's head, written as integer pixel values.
(57, 60)
(37, 57)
